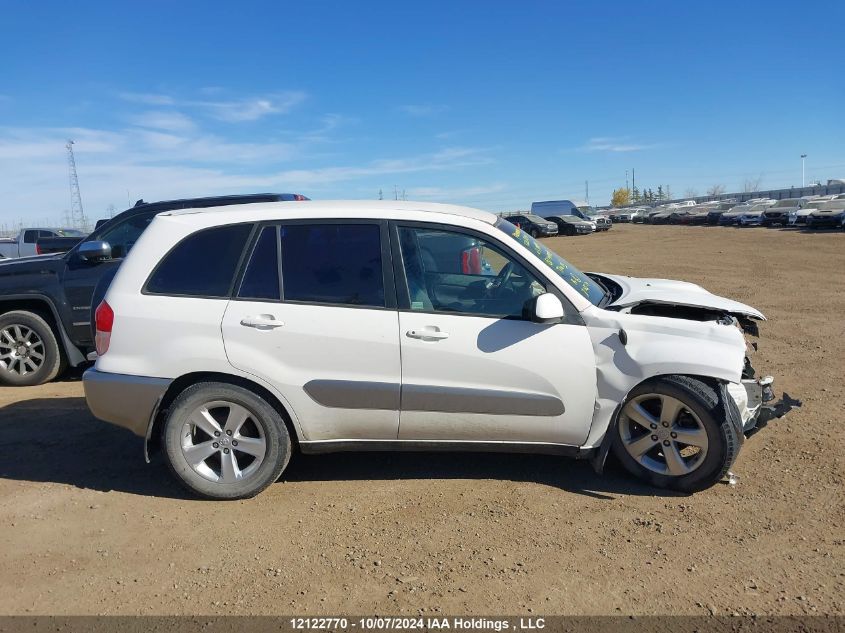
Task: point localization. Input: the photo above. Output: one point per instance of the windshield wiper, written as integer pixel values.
(608, 295)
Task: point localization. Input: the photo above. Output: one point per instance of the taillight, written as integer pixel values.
(471, 261)
(104, 321)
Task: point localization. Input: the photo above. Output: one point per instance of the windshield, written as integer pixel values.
(534, 218)
(566, 271)
(586, 210)
(790, 202)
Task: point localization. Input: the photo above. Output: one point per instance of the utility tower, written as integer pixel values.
(76, 213)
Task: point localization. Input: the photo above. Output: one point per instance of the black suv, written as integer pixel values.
(46, 301)
(534, 225)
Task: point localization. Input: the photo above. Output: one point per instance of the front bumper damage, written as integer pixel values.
(754, 399)
(754, 396)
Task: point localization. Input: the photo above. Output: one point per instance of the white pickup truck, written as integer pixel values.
(24, 245)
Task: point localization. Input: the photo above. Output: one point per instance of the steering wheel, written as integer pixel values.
(501, 279)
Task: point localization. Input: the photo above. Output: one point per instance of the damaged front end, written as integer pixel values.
(754, 397)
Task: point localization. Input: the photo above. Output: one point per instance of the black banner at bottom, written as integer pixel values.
(520, 624)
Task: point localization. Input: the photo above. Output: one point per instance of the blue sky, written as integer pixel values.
(490, 104)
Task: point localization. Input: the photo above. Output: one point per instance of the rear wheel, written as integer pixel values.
(225, 442)
(29, 351)
(673, 433)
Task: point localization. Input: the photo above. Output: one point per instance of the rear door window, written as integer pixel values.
(333, 263)
(203, 264)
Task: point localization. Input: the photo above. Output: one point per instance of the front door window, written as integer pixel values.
(458, 273)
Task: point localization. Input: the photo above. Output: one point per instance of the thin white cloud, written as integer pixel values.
(251, 109)
(446, 193)
(611, 144)
(423, 110)
(170, 121)
(159, 163)
(450, 158)
(232, 111)
(147, 98)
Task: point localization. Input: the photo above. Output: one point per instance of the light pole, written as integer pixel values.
(803, 156)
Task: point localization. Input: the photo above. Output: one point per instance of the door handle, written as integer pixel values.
(262, 321)
(428, 334)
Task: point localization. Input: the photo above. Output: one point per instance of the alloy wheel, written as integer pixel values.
(663, 435)
(223, 441)
(21, 350)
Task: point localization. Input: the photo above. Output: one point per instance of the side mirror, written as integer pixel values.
(544, 309)
(93, 251)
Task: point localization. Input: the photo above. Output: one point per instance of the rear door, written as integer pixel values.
(315, 317)
(473, 368)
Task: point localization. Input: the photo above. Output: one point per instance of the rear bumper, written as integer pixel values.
(127, 401)
(825, 223)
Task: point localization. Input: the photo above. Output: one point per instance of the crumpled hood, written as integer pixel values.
(636, 290)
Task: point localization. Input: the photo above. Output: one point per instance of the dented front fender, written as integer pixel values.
(632, 348)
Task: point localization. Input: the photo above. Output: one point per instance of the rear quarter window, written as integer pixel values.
(201, 265)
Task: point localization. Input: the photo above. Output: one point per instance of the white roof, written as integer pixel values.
(341, 208)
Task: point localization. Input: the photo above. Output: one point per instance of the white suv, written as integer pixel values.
(233, 336)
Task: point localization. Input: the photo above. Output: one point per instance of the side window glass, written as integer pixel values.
(455, 272)
(261, 278)
(203, 264)
(332, 263)
(123, 236)
(29, 237)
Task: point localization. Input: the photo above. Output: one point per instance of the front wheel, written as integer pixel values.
(29, 351)
(225, 442)
(673, 433)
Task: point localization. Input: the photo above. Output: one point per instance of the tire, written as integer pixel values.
(533, 233)
(27, 331)
(702, 418)
(208, 478)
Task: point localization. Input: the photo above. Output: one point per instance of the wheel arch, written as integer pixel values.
(599, 455)
(45, 308)
(151, 442)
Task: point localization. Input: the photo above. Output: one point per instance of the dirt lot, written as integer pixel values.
(89, 528)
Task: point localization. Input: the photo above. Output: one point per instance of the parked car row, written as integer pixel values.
(815, 212)
(560, 217)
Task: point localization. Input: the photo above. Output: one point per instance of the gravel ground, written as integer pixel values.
(88, 528)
